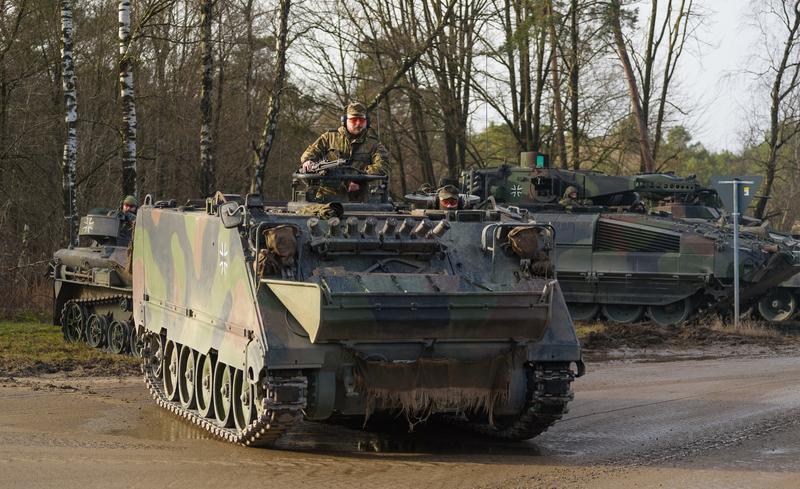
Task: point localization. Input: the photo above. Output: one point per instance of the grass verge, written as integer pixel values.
(32, 348)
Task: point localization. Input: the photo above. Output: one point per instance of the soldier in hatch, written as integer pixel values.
(353, 141)
(447, 197)
(570, 197)
(127, 216)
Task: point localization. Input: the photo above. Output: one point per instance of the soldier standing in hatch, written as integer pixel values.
(353, 141)
(127, 216)
(570, 197)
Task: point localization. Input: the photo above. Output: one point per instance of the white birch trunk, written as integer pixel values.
(68, 162)
(207, 171)
(129, 186)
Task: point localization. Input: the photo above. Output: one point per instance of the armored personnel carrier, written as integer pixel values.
(256, 317)
(92, 285)
(615, 258)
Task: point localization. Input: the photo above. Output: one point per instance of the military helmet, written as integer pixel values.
(447, 192)
(356, 109)
(570, 190)
(130, 200)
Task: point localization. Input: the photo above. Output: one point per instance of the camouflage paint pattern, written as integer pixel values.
(606, 257)
(387, 286)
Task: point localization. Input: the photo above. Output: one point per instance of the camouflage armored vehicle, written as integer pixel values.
(92, 285)
(630, 265)
(257, 317)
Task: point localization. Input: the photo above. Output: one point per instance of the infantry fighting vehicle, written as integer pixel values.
(615, 258)
(257, 317)
(92, 285)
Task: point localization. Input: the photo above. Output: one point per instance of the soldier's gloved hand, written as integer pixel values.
(353, 187)
(307, 165)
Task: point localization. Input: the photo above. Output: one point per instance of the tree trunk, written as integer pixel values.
(161, 51)
(396, 148)
(677, 39)
(777, 96)
(512, 75)
(207, 170)
(129, 176)
(268, 137)
(68, 164)
(554, 69)
(248, 80)
(535, 112)
(633, 89)
(420, 131)
(574, 89)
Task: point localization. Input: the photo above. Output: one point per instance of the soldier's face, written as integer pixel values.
(129, 208)
(355, 125)
(448, 203)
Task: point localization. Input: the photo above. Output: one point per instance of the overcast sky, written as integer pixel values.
(711, 74)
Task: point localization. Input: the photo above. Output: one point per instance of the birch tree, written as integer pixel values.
(68, 162)
(207, 169)
(129, 175)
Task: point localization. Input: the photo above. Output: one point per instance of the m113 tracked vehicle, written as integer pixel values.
(92, 285)
(630, 265)
(257, 317)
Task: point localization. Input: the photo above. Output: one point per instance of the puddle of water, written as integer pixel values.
(155, 424)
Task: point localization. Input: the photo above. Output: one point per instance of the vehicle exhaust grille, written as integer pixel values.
(613, 236)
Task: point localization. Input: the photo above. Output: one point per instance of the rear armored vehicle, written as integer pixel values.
(258, 317)
(92, 285)
(617, 259)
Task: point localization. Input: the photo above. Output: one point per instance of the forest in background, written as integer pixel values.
(454, 84)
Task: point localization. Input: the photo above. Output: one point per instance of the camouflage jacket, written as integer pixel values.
(365, 151)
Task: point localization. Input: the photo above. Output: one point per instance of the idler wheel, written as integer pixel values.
(623, 313)
(223, 395)
(73, 320)
(96, 329)
(187, 377)
(117, 337)
(582, 311)
(778, 305)
(170, 370)
(671, 314)
(204, 386)
(243, 406)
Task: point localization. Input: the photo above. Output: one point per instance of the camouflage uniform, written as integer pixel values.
(364, 151)
(127, 220)
(568, 200)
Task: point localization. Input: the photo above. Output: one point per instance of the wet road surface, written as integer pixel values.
(729, 422)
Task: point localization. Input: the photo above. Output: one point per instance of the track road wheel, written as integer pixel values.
(223, 395)
(154, 351)
(623, 313)
(136, 343)
(582, 311)
(73, 320)
(186, 377)
(778, 305)
(204, 386)
(170, 370)
(243, 407)
(671, 314)
(117, 337)
(96, 329)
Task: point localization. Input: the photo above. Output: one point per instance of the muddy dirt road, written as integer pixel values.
(705, 423)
